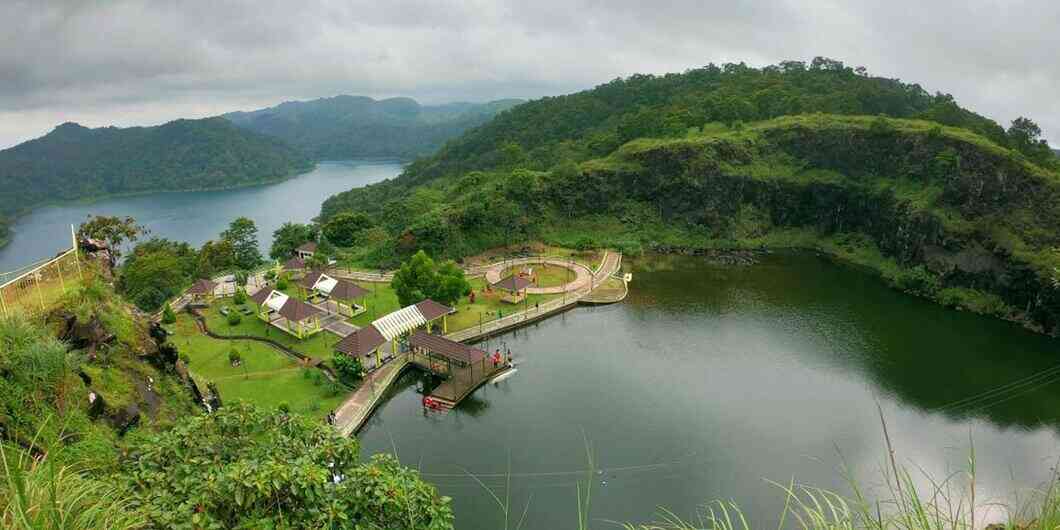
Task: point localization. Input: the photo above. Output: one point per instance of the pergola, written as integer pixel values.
(405, 320)
(515, 285)
(287, 313)
(363, 344)
(202, 291)
(342, 293)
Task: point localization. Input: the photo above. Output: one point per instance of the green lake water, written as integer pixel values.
(710, 380)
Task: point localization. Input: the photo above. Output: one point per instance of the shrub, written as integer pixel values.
(185, 359)
(281, 283)
(240, 297)
(349, 368)
(168, 317)
(284, 407)
(234, 358)
(234, 318)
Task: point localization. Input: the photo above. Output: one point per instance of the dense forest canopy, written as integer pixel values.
(948, 203)
(344, 127)
(75, 162)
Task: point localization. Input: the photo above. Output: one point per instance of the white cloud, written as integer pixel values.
(128, 62)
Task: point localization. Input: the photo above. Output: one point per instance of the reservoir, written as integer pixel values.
(195, 216)
(709, 381)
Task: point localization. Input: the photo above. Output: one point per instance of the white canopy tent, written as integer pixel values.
(325, 284)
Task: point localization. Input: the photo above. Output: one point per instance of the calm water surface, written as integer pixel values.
(196, 216)
(710, 380)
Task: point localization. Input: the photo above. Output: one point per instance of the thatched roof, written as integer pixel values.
(202, 286)
(513, 283)
(361, 342)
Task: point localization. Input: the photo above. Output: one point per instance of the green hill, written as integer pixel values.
(75, 162)
(344, 127)
(942, 202)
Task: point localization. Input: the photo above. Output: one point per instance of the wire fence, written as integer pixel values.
(35, 289)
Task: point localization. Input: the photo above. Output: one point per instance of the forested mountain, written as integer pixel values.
(344, 127)
(941, 201)
(75, 162)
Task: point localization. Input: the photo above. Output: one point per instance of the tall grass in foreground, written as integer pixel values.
(937, 504)
(39, 494)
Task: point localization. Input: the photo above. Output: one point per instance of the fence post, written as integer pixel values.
(3, 305)
(40, 296)
(59, 267)
(77, 253)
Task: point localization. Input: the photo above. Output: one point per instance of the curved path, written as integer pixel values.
(581, 274)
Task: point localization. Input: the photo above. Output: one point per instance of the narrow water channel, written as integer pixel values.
(710, 380)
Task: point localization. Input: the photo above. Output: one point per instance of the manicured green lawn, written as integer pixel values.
(380, 301)
(547, 275)
(266, 376)
(319, 346)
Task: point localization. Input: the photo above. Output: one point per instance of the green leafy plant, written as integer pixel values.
(234, 318)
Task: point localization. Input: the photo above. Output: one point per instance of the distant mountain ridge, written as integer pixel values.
(75, 162)
(344, 126)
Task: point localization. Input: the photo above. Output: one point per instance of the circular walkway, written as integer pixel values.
(581, 274)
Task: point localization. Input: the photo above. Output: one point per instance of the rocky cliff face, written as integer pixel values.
(961, 214)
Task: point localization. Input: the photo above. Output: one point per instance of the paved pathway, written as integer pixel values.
(581, 273)
(355, 410)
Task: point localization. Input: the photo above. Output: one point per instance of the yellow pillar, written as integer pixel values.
(377, 360)
(445, 324)
(428, 327)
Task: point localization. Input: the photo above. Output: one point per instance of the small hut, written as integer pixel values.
(364, 345)
(514, 287)
(202, 291)
(295, 266)
(338, 295)
(306, 250)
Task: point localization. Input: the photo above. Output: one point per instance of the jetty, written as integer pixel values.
(464, 368)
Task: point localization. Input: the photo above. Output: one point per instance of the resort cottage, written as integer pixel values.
(287, 313)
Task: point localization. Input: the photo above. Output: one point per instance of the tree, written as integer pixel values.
(243, 235)
(1026, 137)
(415, 280)
(246, 467)
(155, 271)
(345, 229)
(420, 278)
(290, 236)
(215, 256)
(452, 285)
(114, 230)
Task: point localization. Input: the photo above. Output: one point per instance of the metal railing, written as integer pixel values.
(34, 289)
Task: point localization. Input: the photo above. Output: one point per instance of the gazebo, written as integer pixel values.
(306, 250)
(364, 344)
(515, 287)
(336, 293)
(294, 265)
(463, 367)
(202, 291)
(287, 313)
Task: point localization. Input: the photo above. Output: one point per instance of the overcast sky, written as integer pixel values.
(134, 63)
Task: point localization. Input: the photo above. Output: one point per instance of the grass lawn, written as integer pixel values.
(547, 275)
(266, 376)
(319, 346)
(489, 306)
